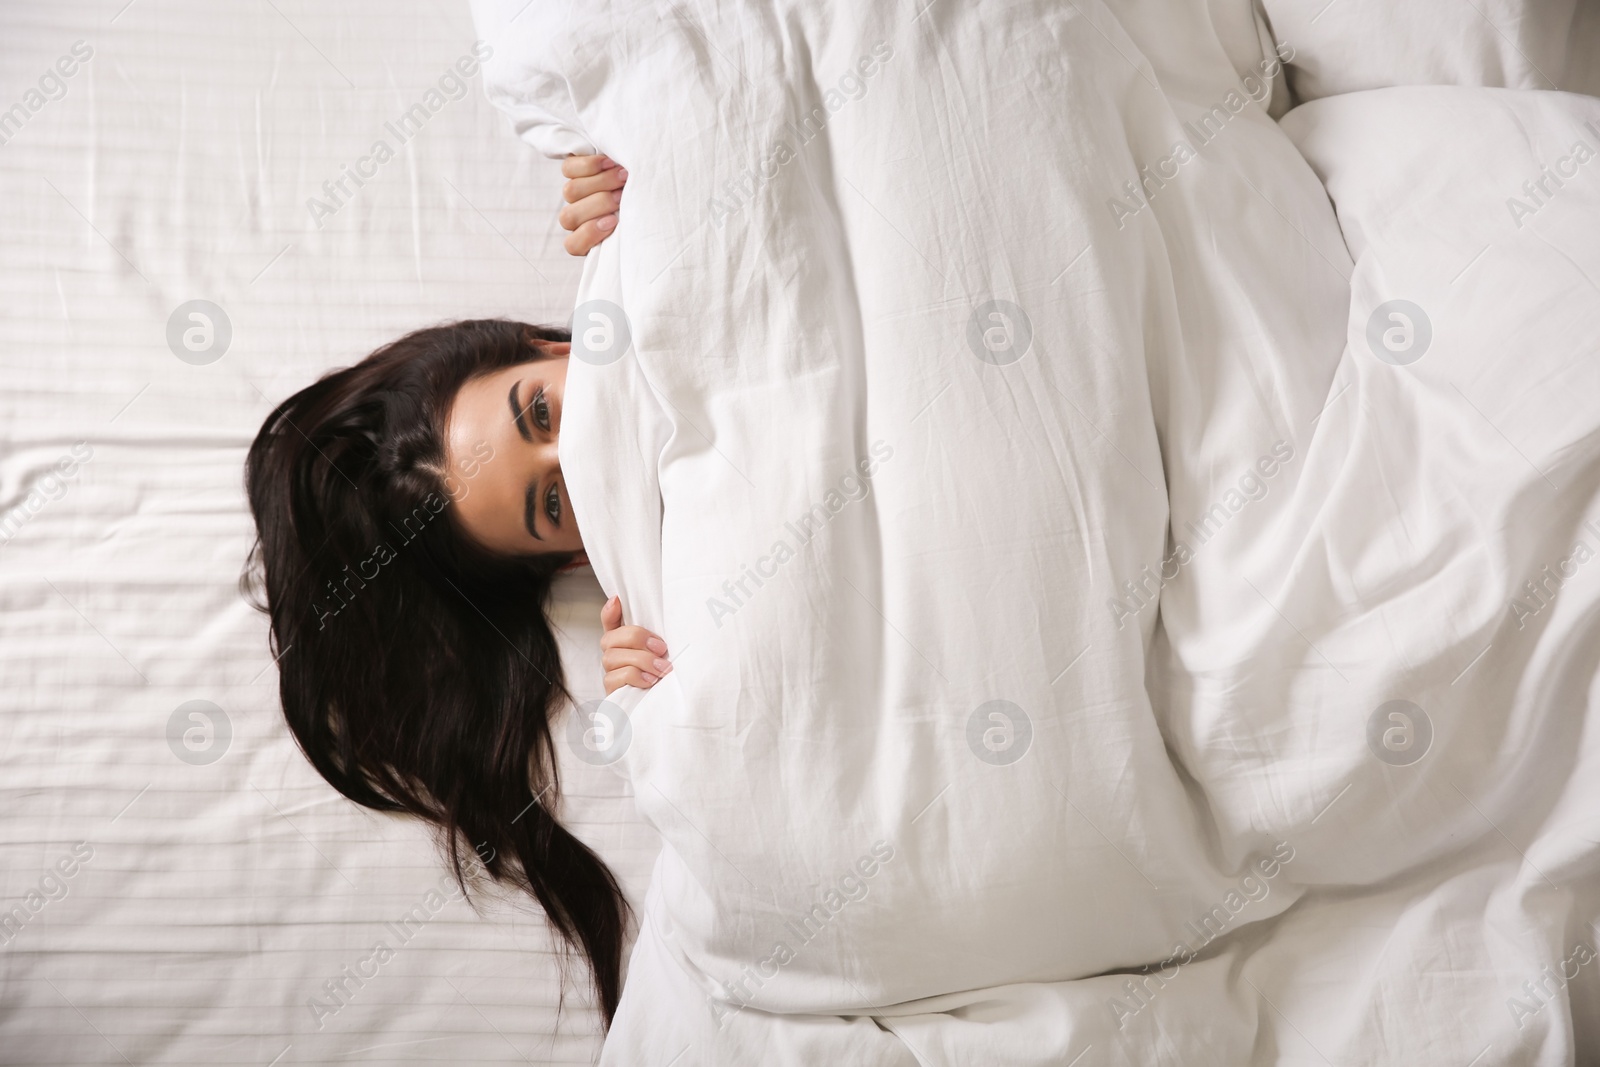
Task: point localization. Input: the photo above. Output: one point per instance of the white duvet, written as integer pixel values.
(1123, 612)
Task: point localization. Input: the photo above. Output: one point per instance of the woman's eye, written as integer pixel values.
(552, 506)
(541, 410)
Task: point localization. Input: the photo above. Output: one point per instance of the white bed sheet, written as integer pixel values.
(217, 899)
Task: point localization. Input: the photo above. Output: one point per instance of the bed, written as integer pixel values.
(1280, 753)
(219, 885)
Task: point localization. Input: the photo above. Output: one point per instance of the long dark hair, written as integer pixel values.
(418, 671)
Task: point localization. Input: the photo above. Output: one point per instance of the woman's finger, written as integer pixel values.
(611, 615)
(605, 182)
(585, 166)
(624, 637)
(635, 637)
(593, 206)
(580, 241)
(617, 658)
(629, 676)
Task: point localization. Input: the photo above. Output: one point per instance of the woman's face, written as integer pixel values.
(516, 503)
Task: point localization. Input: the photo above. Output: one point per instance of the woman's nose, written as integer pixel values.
(548, 457)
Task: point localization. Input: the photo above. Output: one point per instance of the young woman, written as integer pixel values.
(411, 518)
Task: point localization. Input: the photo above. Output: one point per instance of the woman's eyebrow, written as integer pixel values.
(517, 415)
(530, 506)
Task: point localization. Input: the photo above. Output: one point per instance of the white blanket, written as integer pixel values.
(937, 351)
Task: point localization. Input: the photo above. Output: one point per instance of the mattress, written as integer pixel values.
(190, 890)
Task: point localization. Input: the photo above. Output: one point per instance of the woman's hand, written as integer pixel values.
(593, 191)
(631, 655)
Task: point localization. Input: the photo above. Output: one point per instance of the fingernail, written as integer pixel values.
(622, 174)
(656, 645)
(606, 223)
(649, 679)
(662, 666)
